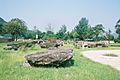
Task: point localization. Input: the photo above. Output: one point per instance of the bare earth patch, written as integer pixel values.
(98, 56)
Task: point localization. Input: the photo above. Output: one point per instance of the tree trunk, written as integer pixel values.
(16, 38)
(96, 38)
(13, 37)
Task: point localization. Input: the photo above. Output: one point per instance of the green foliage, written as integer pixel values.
(109, 36)
(49, 29)
(98, 29)
(110, 54)
(73, 35)
(67, 36)
(117, 40)
(91, 33)
(115, 45)
(16, 28)
(49, 33)
(117, 26)
(61, 34)
(82, 29)
(25, 45)
(2, 21)
(31, 34)
(77, 46)
(2, 26)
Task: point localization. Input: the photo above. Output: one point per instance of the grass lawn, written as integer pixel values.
(83, 69)
(110, 55)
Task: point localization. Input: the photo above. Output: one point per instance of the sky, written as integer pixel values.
(41, 13)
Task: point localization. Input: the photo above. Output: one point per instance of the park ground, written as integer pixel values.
(11, 66)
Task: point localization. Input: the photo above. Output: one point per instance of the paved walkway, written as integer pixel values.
(97, 55)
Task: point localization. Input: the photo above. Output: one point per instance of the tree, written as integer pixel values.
(49, 32)
(91, 33)
(98, 29)
(109, 36)
(49, 29)
(16, 27)
(2, 26)
(37, 32)
(73, 35)
(82, 29)
(67, 36)
(62, 32)
(117, 27)
(28, 34)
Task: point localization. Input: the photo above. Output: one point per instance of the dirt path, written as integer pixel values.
(97, 55)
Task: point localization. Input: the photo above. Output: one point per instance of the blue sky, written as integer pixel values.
(40, 13)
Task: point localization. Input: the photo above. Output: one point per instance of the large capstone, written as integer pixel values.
(54, 57)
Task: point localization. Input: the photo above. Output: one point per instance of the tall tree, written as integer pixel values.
(2, 26)
(73, 35)
(117, 26)
(82, 29)
(98, 29)
(62, 32)
(49, 29)
(16, 27)
(67, 36)
(49, 32)
(109, 36)
(91, 33)
(37, 33)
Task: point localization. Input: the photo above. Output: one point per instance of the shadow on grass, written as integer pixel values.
(65, 64)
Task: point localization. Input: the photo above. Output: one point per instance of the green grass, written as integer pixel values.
(115, 45)
(110, 54)
(83, 69)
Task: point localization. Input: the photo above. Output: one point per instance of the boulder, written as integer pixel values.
(48, 44)
(54, 57)
(7, 47)
(52, 48)
(11, 46)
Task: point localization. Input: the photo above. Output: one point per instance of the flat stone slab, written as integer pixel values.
(98, 56)
(54, 57)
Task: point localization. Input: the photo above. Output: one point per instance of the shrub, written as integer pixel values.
(77, 46)
(117, 41)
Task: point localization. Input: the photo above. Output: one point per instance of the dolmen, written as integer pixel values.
(52, 57)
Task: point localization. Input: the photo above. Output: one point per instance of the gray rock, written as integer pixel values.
(26, 64)
(54, 57)
(48, 44)
(52, 48)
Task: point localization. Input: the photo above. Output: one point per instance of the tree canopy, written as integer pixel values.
(117, 26)
(98, 29)
(61, 34)
(82, 29)
(2, 26)
(16, 27)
